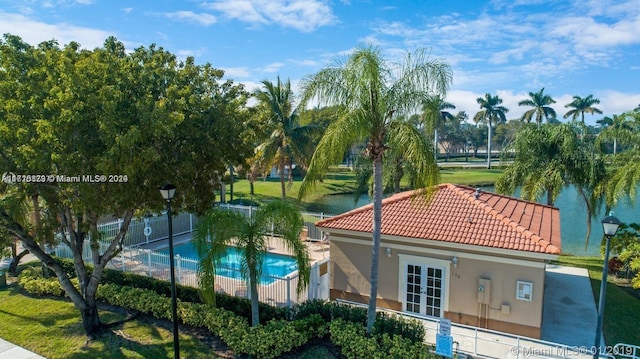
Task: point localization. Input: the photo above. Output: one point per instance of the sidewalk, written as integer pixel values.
(12, 351)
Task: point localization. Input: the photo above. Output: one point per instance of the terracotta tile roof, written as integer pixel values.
(455, 215)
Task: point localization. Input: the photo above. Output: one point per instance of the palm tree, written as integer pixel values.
(620, 127)
(539, 101)
(580, 106)
(220, 228)
(289, 140)
(374, 96)
(435, 116)
(548, 158)
(491, 112)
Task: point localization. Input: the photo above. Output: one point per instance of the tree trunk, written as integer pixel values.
(251, 188)
(90, 319)
(435, 144)
(13, 267)
(489, 146)
(230, 183)
(377, 230)
(255, 314)
(282, 186)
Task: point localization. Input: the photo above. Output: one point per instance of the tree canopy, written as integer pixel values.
(89, 133)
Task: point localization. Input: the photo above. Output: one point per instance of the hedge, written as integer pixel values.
(393, 337)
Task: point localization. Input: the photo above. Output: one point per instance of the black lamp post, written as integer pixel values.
(168, 191)
(610, 226)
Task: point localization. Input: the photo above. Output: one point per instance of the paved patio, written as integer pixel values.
(569, 314)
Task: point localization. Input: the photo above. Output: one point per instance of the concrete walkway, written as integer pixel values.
(569, 315)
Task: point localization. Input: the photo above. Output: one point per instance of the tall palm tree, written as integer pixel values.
(550, 157)
(581, 105)
(435, 116)
(289, 141)
(220, 228)
(539, 101)
(491, 112)
(374, 95)
(620, 127)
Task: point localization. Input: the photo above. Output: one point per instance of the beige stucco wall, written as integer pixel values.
(351, 265)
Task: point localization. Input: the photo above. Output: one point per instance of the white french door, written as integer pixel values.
(424, 289)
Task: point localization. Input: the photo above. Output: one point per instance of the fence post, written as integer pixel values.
(288, 291)
(149, 262)
(178, 261)
(123, 258)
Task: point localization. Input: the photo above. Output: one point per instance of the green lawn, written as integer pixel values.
(622, 310)
(344, 181)
(53, 329)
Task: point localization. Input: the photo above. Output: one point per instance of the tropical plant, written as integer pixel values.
(540, 103)
(104, 128)
(549, 157)
(288, 141)
(374, 95)
(625, 168)
(491, 112)
(581, 105)
(620, 127)
(220, 228)
(435, 117)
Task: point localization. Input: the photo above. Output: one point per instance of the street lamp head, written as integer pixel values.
(168, 191)
(610, 225)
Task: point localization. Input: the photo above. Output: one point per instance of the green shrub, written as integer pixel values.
(354, 344)
(394, 325)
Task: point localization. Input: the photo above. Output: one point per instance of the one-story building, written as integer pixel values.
(474, 257)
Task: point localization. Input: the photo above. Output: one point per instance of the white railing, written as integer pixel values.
(277, 291)
(480, 342)
(136, 235)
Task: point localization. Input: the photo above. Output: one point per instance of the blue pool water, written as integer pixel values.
(274, 265)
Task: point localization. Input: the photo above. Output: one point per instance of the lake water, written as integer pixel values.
(573, 217)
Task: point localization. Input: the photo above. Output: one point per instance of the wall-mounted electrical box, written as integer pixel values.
(484, 290)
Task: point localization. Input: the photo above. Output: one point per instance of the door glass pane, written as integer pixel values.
(414, 298)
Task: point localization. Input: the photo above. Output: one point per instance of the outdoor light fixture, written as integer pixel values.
(454, 260)
(388, 251)
(168, 191)
(610, 226)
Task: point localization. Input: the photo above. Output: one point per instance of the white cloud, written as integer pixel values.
(127, 10)
(34, 32)
(302, 15)
(272, 67)
(203, 19)
(236, 72)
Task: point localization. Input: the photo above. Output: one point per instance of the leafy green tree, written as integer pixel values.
(619, 127)
(435, 117)
(491, 112)
(581, 105)
(288, 141)
(544, 158)
(374, 95)
(627, 248)
(624, 174)
(547, 159)
(220, 228)
(540, 103)
(138, 119)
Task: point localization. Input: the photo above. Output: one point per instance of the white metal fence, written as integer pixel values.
(279, 291)
(476, 342)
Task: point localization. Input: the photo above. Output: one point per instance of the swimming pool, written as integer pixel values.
(274, 266)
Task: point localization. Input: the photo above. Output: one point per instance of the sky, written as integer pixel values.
(503, 47)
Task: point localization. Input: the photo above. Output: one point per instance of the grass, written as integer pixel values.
(53, 329)
(622, 309)
(343, 182)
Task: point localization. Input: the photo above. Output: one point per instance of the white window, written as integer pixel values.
(524, 290)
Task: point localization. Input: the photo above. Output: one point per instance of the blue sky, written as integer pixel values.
(504, 47)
